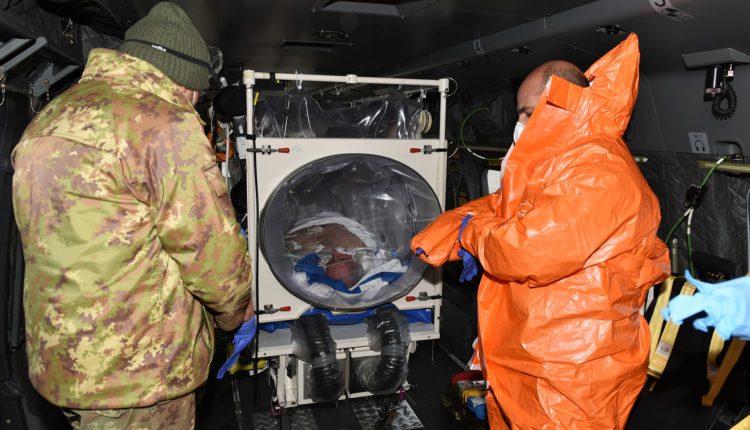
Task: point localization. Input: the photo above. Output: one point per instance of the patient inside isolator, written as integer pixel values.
(336, 233)
(336, 255)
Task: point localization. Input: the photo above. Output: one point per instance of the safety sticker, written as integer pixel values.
(664, 349)
(711, 371)
(665, 8)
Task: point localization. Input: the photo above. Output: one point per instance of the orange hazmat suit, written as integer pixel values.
(569, 250)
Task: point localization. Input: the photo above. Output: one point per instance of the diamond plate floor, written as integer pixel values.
(429, 374)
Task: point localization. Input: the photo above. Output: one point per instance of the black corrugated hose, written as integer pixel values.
(326, 375)
(383, 374)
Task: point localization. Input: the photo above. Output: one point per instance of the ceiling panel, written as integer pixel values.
(249, 31)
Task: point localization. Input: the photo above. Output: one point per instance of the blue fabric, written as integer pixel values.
(412, 315)
(464, 223)
(310, 265)
(727, 305)
(469, 270)
(242, 339)
(385, 276)
(478, 406)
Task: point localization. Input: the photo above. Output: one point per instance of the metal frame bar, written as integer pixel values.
(249, 78)
(39, 43)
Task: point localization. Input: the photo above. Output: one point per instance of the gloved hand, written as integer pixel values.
(726, 303)
(242, 338)
(470, 265)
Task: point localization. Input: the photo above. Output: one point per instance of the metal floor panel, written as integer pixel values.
(360, 414)
(368, 415)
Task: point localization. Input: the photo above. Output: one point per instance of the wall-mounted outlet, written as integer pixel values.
(699, 142)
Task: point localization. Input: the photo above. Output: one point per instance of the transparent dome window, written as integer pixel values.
(336, 233)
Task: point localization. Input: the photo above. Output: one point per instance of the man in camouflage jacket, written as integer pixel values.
(132, 249)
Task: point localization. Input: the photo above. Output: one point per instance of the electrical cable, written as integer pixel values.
(455, 90)
(454, 151)
(730, 97)
(691, 211)
(711, 171)
(685, 215)
(674, 227)
(461, 137)
(747, 221)
(256, 280)
(689, 216)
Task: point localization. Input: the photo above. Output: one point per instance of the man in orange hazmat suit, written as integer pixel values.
(569, 250)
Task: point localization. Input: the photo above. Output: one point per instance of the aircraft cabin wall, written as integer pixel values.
(671, 108)
(671, 105)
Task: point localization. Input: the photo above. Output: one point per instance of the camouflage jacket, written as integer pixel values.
(129, 239)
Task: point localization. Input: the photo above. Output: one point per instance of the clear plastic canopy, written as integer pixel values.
(336, 233)
(300, 115)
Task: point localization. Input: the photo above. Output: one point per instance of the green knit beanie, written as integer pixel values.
(168, 39)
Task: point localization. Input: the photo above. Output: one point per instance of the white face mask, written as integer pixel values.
(517, 131)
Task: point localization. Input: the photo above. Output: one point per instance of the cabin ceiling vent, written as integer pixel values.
(394, 8)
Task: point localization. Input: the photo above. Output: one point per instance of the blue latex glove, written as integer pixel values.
(242, 338)
(726, 303)
(470, 264)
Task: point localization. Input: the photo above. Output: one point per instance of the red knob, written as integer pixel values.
(285, 308)
(284, 150)
(410, 298)
(415, 150)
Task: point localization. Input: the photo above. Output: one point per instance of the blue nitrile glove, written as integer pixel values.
(726, 303)
(470, 264)
(242, 338)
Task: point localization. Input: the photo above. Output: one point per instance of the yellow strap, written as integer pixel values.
(742, 425)
(730, 359)
(714, 349)
(656, 322)
(237, 366)
(665, 344)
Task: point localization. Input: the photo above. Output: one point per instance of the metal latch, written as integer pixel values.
(423, 296)
(266, 149)
(427, 149)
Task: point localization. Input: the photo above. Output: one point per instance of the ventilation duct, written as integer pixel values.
(592, 15)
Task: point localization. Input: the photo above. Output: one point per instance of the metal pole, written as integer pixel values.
(347, 79)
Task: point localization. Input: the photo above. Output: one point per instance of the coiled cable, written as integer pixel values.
(730, 97)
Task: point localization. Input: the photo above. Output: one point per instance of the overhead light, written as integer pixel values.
(394, 8)
(521, 50)
(611, 30)
(311, 45)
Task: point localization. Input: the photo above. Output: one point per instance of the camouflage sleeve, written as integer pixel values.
(195, 221)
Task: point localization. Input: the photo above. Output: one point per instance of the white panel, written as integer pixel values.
(273, 168)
